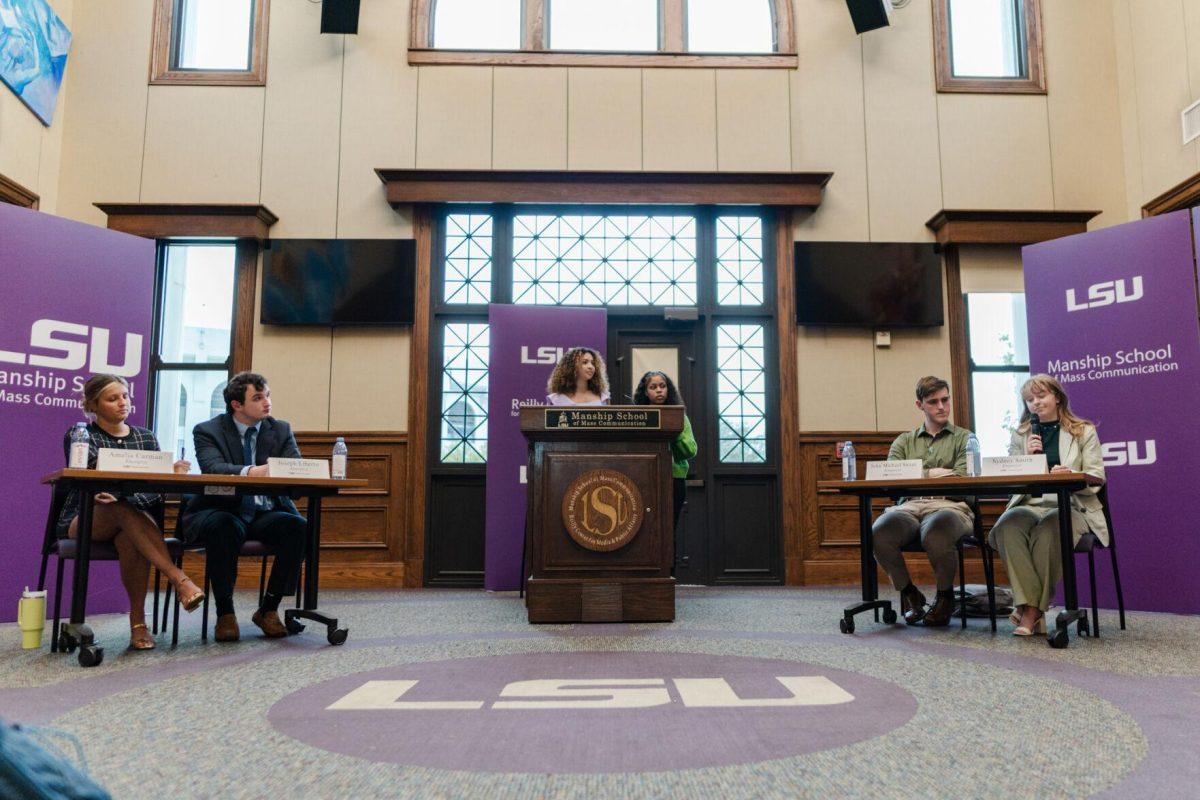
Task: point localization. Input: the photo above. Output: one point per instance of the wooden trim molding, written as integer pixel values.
(15, 194)
(169, 220)
(415, 186)
(789, 394)
(963, 226)
(245, 289)
(672, 42)
(418, 405)
(1034, 81)
(1185, 194)
(956, 320)
(163, 36)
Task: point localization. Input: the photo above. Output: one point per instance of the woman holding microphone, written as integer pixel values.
(1026, 535)
(127, 520)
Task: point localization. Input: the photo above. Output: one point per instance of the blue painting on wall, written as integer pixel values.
(33, 53)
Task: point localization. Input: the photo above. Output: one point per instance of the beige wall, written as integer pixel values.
(337, 107)
(1158, 55)
(30, 152)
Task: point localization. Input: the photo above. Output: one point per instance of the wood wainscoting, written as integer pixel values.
(362, 531)
(829, 521)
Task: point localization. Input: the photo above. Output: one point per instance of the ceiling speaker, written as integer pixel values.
(867, 14)
(339, 16)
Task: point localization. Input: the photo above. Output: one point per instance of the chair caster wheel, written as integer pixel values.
(90, 655)
(846, 625)
(293, 627)
(67, 643)
(1058, 639)
(337, 636)
(889, 616)
(1082, 628)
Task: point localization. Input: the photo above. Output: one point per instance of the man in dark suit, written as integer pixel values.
(239, 442)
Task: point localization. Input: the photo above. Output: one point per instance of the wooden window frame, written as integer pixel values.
(672, 43)
(15, 194)
(1034, 81)
(163, 43)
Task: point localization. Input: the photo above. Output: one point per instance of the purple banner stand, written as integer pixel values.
(525, 344)
(77, 300)
(1113, 316)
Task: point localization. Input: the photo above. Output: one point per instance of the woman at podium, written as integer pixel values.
(1026, 535)
(579, 379)
(657, 389)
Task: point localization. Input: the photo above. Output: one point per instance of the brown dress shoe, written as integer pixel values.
(912, 606)
(940, 612)
(269, 622)
(227, 629)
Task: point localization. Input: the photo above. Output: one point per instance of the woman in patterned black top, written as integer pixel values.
(127, 520)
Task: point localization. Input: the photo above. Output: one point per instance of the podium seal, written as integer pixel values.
(602, 510)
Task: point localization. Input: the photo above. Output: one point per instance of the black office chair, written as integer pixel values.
(974, 539)
(68, 549)
(1088, 544)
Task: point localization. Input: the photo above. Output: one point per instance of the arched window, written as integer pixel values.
(640, 33)
(216, 403)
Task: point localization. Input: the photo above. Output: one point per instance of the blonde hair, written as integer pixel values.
(95, 386)
(562, 380)
(1067, 420)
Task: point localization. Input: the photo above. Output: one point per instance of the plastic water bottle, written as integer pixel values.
(80, 442)
(339, 458)
(974, 459)
(849, 462)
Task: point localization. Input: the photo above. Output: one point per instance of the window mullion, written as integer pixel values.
(672, 26)
(533, 25)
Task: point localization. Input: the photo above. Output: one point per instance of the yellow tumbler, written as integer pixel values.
(31, 617)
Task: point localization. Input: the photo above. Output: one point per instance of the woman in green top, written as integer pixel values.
(1026, 535)
(656, 389)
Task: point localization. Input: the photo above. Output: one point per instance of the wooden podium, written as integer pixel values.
(598, 535)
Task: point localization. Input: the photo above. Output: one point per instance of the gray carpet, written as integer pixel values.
(425, 700)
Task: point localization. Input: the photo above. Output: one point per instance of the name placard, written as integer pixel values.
(904, 469)
(1015, 465)
(113, 459)
(297, 468)
(601, 418)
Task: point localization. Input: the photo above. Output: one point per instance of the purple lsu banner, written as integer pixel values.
(77, 300)
(1112, 315)
(526, 343)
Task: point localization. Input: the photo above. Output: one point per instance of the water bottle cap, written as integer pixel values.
(341, 438)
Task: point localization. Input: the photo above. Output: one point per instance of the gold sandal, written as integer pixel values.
(192, 601)
(140, 638)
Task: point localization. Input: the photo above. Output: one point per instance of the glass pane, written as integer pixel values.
(622, 25)
(468, 259)
(996, 403)
(182, 400)
(214, 34)
(730, 26)
(594, 260)
(197, 311)
(987, 38)
(465, 392)
(739, 261)
(998, 337)
(741, 394)
(477, 24)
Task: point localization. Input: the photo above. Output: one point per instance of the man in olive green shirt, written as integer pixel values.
(937, 522)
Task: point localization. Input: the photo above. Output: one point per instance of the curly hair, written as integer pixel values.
(640, 398)
(1067, 420)
(562, 380)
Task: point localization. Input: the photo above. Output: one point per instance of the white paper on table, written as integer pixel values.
(297, 468)
(904, 469)
(1015, 465)
(112, 459)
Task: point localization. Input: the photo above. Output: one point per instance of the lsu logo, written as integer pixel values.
(1118, 454)
(604, 510)
(49, 334)
(599, 693)
(1106, 293)
(544, 355)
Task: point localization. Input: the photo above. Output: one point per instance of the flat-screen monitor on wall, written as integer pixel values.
(339, 282)
(868, 284)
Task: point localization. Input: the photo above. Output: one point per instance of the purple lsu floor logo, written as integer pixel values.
(592, 712)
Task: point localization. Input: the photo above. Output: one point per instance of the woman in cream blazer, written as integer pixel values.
(1026, 535)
